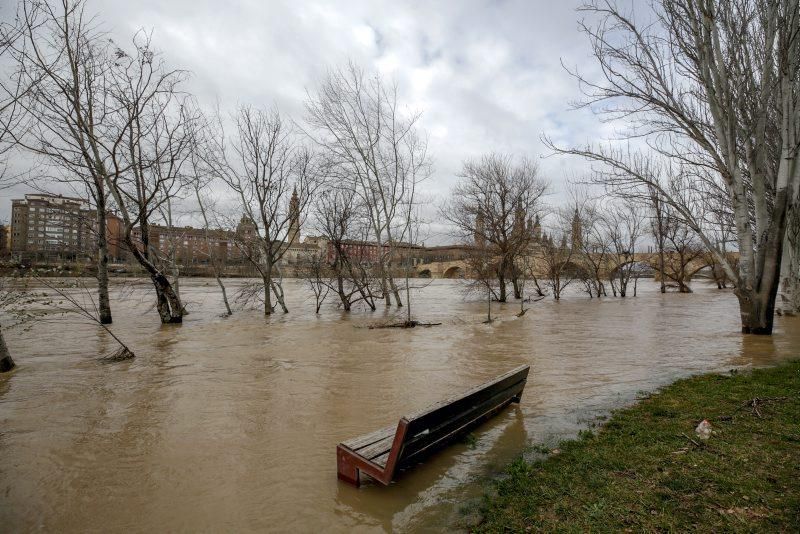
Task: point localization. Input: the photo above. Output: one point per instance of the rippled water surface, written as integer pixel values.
(230, 424)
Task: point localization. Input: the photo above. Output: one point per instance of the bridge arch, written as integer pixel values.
(639, 267)
(424, 273)
(454, 271)
(572, 269)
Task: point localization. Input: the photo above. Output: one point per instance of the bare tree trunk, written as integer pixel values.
(6, 363)
(517, 291)
(224, 291)
(168, 303)
(408, 295)
(103, 302)
(757, 311)
(396, 291)
(277, 289)
(757, 305)
(267, 279)
(340, 290)
(387, 296)
(790, 265)
(176, 280)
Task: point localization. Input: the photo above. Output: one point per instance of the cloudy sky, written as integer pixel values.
(487, 75)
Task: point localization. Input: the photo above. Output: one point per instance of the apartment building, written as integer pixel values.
(47, 226)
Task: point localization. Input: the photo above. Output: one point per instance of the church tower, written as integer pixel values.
(577, 233)
(479, 230)
(519, 220)
(294, 218)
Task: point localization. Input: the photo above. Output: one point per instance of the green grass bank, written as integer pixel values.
(646, 470)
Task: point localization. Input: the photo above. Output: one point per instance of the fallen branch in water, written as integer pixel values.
(119, 355)
(84, 306)
(404, 324)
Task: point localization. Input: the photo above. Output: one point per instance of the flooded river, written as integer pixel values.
(230, 424)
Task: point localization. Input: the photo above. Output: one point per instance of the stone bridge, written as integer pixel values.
(443, 269)
(460, 268)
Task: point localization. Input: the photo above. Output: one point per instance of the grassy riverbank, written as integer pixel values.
(645, 469)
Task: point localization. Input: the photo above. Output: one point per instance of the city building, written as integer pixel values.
(45, 226)
(5, 240)
(191, 246)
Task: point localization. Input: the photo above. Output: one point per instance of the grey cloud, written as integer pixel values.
(486, 75)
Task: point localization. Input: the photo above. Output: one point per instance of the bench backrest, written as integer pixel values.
(436, 424)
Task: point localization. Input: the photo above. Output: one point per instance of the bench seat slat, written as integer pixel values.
(368, 439)
(382, 459)
(377, 449)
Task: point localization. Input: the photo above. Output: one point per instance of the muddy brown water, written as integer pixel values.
(230, 424)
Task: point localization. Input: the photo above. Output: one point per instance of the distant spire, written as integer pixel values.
(294, 217)
(479, 230)
(577, 232)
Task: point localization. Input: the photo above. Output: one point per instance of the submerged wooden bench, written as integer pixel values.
(381, 453)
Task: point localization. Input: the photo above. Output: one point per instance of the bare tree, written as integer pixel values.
(155, 122)
(316, 274)
(684, 254)
(216, 259)
(63, 60)
(274, 177)
(710, 84)
(341, 221)
(591, 242)
(624, 226)
(203, 161)
(12, 89)
(558, 258)
(411, 235)
(489, 207)
(358, 122)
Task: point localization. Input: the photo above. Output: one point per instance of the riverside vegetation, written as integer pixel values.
(645, 470)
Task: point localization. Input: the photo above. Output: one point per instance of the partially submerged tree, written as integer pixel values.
(711, 85)
(315, 272)
(624, 226)
(590, 239)
(66, 117)
(273, 176)
(340, 221)
(202, 177)
(375, 148)
(684, 255)
(155, 121)
(558, 257)
(490, 207)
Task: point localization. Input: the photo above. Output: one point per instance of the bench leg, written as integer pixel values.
(346, 470)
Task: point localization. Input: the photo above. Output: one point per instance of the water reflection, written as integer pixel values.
(231, 423)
